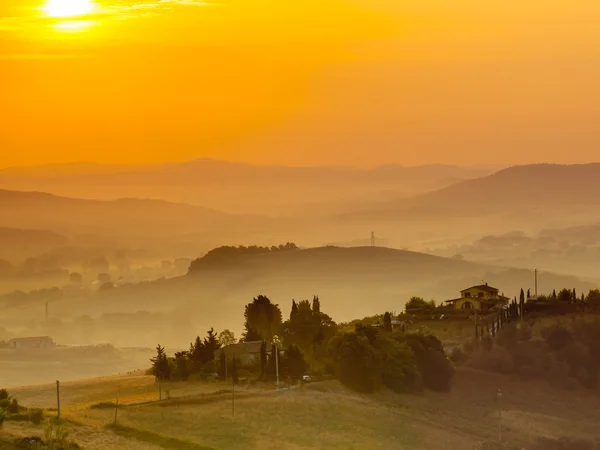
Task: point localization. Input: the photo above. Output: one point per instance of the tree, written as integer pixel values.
(528, 294)
(181, 366)
(316, 305)
(554, 294)
(387, 322)
(234, 372)
(294, 311)
(357, 362)
(565, 295)
(250, 334)
(417, 303)
(522, 304)
(263, 317)
(196, 353)
(226, 337)
(160, 364)
(211, 345)
(293, 363)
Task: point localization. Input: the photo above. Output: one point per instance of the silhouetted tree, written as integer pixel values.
(181, 365)
(554, 294)
(565, 295)
(387, 322)
(294, 312)
(293, 363)
(250, 334)
(196, 352)
(226, 337)
(528, 294)
(211, 345)
(264, 317)
(160, 364)
(316, 305)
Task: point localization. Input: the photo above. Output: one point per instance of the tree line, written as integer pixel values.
(309, 341)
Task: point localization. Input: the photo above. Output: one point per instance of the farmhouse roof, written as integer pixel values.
(482, 287)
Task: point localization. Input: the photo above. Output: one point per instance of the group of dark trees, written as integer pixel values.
(231, 254)
(364, 358)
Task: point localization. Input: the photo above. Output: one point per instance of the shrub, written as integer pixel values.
(496, 360)
(4, 394)
(358, 363)
(436, 369)
(458, 356)
(36, 415)
(399, 370)
(557, 337)
(13, 406)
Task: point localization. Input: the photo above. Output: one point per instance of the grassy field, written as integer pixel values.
(324, 415)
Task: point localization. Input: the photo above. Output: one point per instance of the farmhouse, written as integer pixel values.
(32, 342)
(480, 297)
(245, 352)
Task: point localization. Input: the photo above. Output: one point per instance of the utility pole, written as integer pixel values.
(58, 399)
(499, 396)
(117, 407)
(276, 344)
(535, 272)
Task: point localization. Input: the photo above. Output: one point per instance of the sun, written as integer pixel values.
(68, 8)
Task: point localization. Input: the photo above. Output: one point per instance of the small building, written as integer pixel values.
(480, 297)
(245, 352)
(32, 342)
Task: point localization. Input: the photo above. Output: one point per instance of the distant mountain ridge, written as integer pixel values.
(122, 216)
(235, 187)
(514, 189)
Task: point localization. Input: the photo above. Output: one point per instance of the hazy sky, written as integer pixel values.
(358, 82)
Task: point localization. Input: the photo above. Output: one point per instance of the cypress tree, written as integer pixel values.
(294, 312)
(316, 305)
(387, 322)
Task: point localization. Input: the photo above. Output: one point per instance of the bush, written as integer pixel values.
(458, 356)
(13, 407)
(4, 394)
(557, 337)
(399, 370)
(436, 369)
(36, 416)
(496, 360)
(358, 363)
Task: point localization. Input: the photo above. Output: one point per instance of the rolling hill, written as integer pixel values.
(139, 217)
(236, 187)
(351, 282)
(522, 191)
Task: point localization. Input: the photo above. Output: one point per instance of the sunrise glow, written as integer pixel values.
(68, 8)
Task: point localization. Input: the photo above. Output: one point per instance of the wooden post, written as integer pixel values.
(58, 399)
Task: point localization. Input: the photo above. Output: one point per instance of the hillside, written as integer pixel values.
(521, 190)
(128, 216)
(351, 282)
(16, 241)
(236, 187)
(322, 415)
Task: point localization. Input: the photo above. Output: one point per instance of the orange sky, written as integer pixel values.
(354, 82)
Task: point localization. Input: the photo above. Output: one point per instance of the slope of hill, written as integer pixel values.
(122, 217)
(321, 415)
(351, 282)
(237, 187)
(529, 190)
(16, 240)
